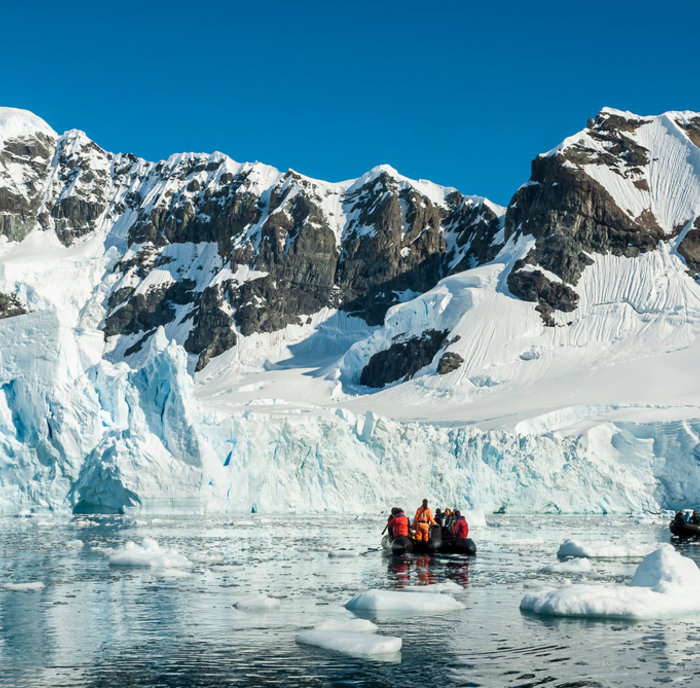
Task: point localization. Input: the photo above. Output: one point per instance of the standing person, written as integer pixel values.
(399, 523)
(460, 529)
(422, 521)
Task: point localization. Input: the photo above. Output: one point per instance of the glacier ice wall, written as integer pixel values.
(78, 432)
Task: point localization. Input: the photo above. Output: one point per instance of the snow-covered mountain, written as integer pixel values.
(203, 334)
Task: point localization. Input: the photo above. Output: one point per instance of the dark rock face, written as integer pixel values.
(403, 359)
(212, 333)
(449, 362)
(145, 312)
(10, 306)
(571, 215)
(689, 248)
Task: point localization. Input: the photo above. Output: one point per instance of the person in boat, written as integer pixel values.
(422, 521)
(460, 529)
(438, 516)
(447, 518)
(389, 529)
(694, 518)
(399, 524)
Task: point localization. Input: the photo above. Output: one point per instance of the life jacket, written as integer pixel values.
(460, 528)
(399, 525)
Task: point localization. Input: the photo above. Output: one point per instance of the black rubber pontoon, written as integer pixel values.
(683, 529)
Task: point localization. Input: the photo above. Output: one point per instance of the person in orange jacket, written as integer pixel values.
(422, 521)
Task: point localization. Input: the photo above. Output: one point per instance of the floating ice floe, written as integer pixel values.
(210, 559)
(148, 554)
(665, 584)
(403, 602)
(357, 644)
(74, 544)
(603, 550)
(356, 637)
(348, 626)
(23, 586)
(343, 554)
(445, 586)
(256, 602)
(577, 565)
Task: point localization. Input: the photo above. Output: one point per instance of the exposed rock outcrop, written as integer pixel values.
(402, 360)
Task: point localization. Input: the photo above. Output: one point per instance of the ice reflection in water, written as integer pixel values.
(96, 626)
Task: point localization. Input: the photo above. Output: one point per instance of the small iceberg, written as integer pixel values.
(445, 586)
(148, 554)
(666, 584)
(580, 565)
(256, 603)
(357, 637)
(603, 550)
(343, 554)
(402, 602)
(23, 586)
(357, 644)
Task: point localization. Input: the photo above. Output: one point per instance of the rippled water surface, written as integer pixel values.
(92, 625)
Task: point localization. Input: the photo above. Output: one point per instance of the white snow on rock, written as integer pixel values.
(603, 550)
(256, 602)
(148, 554)
(23, 586)
(356, 644)
(402, 602)
(666, 584)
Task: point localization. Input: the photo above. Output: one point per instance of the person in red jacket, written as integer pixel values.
(398, 524)
(460, 528)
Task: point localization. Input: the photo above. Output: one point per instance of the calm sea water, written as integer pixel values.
(92, 625)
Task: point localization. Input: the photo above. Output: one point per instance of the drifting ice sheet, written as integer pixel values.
(603, 550)
(403, 602)
(256, 602)
(358, 644)
(23, 586)
(666, 584)
(148, 554)
(579, 565)
(348, 626)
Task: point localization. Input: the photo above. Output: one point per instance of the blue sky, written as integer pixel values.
(462, 93)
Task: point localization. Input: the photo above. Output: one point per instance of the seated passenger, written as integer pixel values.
(399, 523)
(394, 509)
(447, 518)
(438, 516)
(460, 529)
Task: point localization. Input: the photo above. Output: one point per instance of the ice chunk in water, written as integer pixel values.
(578, 565)
(348, 625)
(603, 550)
(23, 586)
(256, 602)
(445, 586)
(357, 644)
(148, 554)
(404, 602)
(665, 584)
